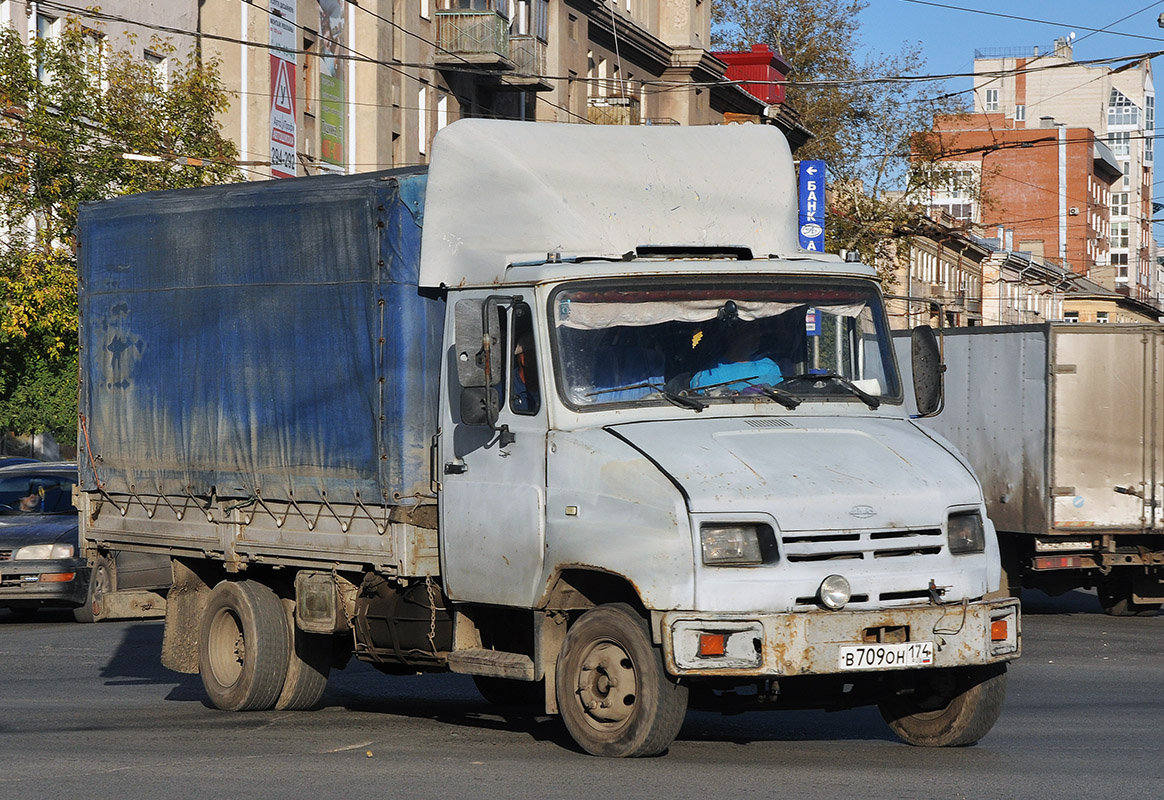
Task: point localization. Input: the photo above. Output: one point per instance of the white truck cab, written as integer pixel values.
(693, 418)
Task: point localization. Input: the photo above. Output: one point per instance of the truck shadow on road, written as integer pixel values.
(452, 700)
(137, 661)
(1079, 601)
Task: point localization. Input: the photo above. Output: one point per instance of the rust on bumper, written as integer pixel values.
(809, 643)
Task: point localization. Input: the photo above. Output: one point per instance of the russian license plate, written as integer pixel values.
(887, 656)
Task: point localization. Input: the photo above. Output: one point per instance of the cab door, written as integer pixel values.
(493, 471)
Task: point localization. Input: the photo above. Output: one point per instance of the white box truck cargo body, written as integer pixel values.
(1064, 425)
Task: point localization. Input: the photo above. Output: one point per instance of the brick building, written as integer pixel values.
(1044, 190)
(1024, 85)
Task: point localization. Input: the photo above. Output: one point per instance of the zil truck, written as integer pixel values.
(568, 411)
(1064, 425)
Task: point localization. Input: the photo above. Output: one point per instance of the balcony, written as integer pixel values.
(528, 54)
(478, 38)
(615, 110)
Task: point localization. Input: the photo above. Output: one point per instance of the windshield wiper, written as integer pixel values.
(870, 400)
(784, 398)
(682, 401)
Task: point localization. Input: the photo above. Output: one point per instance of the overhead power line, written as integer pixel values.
(1020, 18)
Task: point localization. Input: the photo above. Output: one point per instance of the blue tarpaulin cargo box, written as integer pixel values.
(260, 339)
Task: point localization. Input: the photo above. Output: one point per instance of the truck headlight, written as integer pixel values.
(40, 552)
(733, 544)
(965, 533)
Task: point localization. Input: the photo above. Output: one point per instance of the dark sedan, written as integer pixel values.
(40, 560)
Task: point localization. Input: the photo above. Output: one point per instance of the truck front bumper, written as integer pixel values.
(831, 642)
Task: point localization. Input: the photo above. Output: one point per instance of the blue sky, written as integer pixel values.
(949, 34)
(950, 30)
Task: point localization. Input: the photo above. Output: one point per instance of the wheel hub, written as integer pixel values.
(607, 684)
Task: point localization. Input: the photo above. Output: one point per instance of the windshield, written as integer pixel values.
(37, 493)
(780, 339)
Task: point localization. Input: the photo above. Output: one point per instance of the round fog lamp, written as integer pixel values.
(834, 592)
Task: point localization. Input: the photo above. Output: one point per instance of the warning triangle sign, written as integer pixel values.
(282, 95)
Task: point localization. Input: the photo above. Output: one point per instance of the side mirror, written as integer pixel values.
(476, 402)
(926, 358)
(478, 355)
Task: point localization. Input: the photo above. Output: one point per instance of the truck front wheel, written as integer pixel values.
(614, 695)
(948, 707)
(243, 646)
(102, 579)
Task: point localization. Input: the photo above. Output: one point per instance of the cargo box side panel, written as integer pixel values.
(995, 414)
(1103, 427)
(259, 340)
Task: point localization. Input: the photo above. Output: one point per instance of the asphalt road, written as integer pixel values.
(86, 711)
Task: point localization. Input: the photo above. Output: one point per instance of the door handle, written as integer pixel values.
(456, 469)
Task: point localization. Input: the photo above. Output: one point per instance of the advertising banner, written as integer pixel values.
(812, 205)
(331, 82)
(282, 42)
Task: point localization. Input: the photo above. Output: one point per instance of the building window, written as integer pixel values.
(1071, 316)
(47, 28)
(95, 60)
(1020, 113)
(1120, 142)
(442, 112)
(422, 120)
(160, 67)
(1119, 235)
(1119, 204)
(541, 21)
(991, 101)
(1121, 110)
(1101, 316)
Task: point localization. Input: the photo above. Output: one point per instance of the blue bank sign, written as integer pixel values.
(812, 205)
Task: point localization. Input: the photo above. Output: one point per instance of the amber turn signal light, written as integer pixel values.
(712, 645)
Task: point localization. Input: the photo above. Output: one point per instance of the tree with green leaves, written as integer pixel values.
(861, 111)
(69, 115)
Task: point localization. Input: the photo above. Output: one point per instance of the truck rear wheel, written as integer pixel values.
(948, 708)
(614, 695)
(308, 665)
(243, 646)
(1115, 597)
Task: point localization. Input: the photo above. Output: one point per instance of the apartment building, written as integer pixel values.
(142, 27)
(1045, 190)
(1024, 86)
(346, 86)
(335, 85)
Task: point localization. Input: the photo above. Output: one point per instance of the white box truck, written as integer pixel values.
(568, 411)
(1064, 425)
